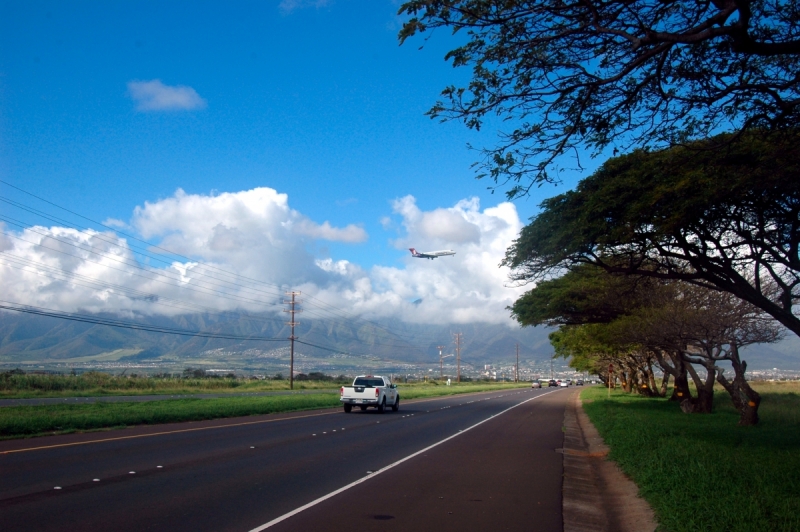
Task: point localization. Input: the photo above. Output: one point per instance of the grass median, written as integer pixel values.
(28, 421)
(703, 472)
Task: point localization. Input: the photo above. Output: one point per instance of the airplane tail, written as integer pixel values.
(413, 251)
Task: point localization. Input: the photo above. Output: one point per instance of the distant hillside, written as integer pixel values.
(32, 338)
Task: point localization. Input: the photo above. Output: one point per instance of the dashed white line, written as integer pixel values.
(384, 469)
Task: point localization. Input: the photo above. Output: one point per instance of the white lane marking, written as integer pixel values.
(95, 480)
(387, 468)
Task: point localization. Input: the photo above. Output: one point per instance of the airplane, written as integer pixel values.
(431, 254)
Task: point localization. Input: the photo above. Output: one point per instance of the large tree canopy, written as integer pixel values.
(726, 219)
(585, 73)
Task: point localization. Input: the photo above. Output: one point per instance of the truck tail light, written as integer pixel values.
(377, 392)
(341, 391)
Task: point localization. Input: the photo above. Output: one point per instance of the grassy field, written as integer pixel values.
(27, 421)
(95, 384)
(703, 472)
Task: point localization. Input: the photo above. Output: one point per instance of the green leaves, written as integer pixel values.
(632, 75)
(722, 213)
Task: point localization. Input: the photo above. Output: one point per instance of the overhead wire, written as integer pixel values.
(88, 282)
(153, 246)
(123, 324)
(322, 306)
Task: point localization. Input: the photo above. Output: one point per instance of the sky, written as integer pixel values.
(282, 142)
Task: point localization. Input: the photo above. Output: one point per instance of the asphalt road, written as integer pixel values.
(499, 470)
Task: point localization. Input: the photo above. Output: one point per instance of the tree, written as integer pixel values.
(727, 220)
(635, 322)
(584, 294)
(704, 327)
(629, 73)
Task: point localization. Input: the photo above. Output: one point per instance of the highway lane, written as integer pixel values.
(237, 476)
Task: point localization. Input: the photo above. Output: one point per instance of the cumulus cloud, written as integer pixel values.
(257, 235)
(153, 95)
(468, 287)
(351, 234)
(289, 6)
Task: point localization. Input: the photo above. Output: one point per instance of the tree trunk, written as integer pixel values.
(651, 380)
(626, 381)
(677, 368)
(704, 403)
(745, 399)
(664, 385)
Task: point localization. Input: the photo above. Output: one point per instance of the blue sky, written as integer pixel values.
(313, 99)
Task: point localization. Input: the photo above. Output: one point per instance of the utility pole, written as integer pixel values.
(516, 369)
(458, 356)
(292, 310)
(441, 363)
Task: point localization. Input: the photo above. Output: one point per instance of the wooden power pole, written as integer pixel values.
(292, 310)
(458, 356)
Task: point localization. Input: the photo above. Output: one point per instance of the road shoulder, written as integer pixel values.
(597, 496)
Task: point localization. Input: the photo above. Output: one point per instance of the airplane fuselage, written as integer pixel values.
(431, 254)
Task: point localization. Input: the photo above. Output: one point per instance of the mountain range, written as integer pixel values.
(323, 344)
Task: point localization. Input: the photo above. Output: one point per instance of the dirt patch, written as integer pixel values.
(597, 496)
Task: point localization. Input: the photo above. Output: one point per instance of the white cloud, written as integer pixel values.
(351, 234)
(289, 6)
(113, 222)
(257, 235)
(153, 95)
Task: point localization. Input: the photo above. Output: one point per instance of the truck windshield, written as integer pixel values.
(368, 382)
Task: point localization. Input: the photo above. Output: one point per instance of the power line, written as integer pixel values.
(40, 311)
(323, 306)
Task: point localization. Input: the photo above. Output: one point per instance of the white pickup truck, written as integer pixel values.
(370, 390)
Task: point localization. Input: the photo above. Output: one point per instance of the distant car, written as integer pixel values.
(579, 382)
(551, 382)
(564, 384)
(536, 384)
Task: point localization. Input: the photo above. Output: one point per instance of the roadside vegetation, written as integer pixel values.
(28, 421)
(705, 472)
(16, 384)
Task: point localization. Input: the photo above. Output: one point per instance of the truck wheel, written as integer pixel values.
(347, 408)
(382, 406)
(396, 405)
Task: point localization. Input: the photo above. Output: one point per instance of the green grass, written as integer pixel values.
(703, 472)
(95, 384)
(27, 421)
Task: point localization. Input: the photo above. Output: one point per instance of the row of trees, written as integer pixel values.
(637, 325)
